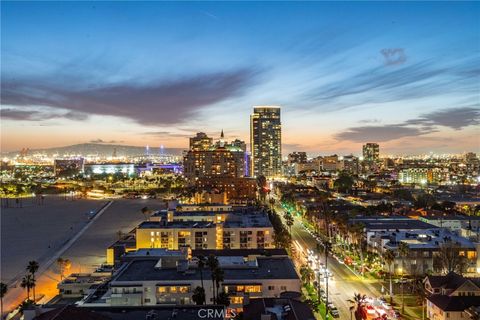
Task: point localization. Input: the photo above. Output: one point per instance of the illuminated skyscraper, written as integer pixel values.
(266, 141)
(371, 152)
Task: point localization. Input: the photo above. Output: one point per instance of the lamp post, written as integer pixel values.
(401, 286)
(328, 247)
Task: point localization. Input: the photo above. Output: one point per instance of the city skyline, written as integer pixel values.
(405, 76)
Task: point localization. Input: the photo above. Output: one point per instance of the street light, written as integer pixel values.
(328, 247)
(400, 270)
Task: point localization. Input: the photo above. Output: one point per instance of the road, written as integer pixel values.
(345, 283)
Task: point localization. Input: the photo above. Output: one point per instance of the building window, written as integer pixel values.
(147, 300)
(271, 288)
(183, 289)
(253, 289)
(236, 300)
(162, 289)
(283, 288)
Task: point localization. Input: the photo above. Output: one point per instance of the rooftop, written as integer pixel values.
(126, 313)
(454, 303)
(278, 308)
(391, 223)
(267, 268)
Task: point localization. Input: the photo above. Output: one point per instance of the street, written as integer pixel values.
(345, 283)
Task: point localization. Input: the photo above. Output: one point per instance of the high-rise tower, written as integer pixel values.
(266, 141)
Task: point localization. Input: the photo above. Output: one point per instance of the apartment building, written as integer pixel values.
(208, 229)
(156, 281)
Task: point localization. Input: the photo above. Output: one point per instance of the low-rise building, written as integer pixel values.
(452, 296)
(425, 250)
(157, 281)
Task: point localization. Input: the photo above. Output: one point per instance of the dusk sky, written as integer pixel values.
(405, 75)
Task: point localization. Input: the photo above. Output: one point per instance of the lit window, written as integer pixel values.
(236, 300)
(162, 289)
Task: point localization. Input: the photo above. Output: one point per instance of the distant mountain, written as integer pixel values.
(102, 150)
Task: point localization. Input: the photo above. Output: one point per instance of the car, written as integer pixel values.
(335, 313)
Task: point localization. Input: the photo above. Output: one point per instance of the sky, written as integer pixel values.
(403, 74)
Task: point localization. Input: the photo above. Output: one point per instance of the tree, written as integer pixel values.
(223, 299)
(388, 258)
(146, 212)
(306, 274)
(63, 266)
(357, 304)
(32, 267)
(403, 251)
(449, 259)
(212, 263)
(219, 277)
(201, 265)
(357, 233)
(424, 200)
(289, 221)
(27, 283)
(199, 296)
(3, 292)
(344, 182)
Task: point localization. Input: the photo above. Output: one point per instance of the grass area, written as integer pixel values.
(311, 294)
(413, 311)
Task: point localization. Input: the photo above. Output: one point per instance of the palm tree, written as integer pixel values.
(3, 292)
(32, 267)
(199, 295)
(388, 258)
(201, 265)
(223, 299)
(357, 304)
(306, 274)
(403, 251)
(145, 211)
(27, 283)
(212, 263)
(288, 221)
(357, 232)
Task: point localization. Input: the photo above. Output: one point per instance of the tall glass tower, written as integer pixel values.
(266, 141)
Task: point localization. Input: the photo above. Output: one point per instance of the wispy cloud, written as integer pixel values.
(161, 102)
(38, 115)
(101, 141)
(408, 81)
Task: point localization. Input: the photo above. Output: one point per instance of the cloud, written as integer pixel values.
(38, 115)
(380, 133)
(454, 118)
(160, 102)
(408, 81)
(100, 141)
(394, 57)
(370, 121)
(167, 134)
